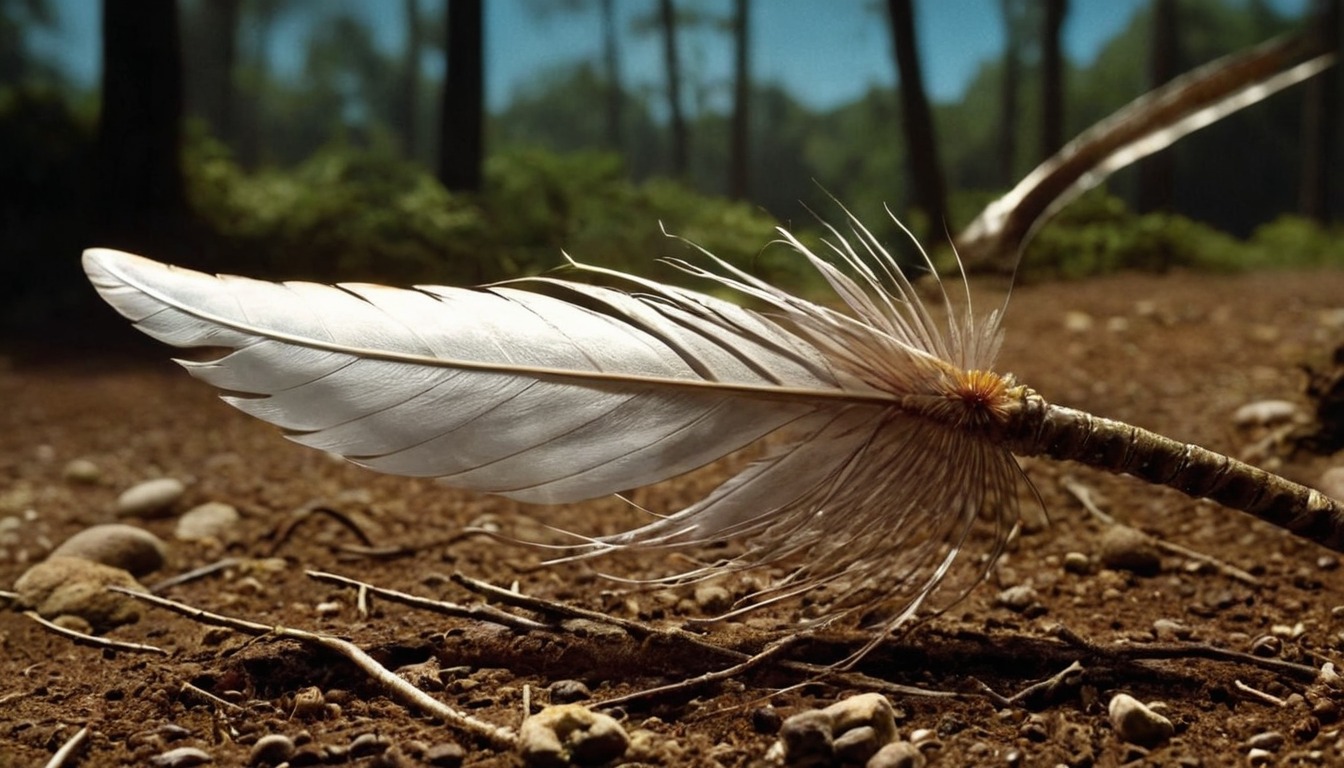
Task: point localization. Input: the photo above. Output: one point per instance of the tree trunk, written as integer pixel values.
(139, 165)
(1320, 116)
(410, 84)
(928, 194)
(615, 90)
(680, 139)
(218, 60)
(739, 173)
(1157, 174)
(1012, 64)
(462, 148)
(1052, 78)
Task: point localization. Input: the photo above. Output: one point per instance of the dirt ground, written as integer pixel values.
(1178, 354)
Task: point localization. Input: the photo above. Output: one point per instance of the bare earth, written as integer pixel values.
(1177, 354)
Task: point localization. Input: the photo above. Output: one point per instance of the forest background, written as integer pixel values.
(375, 162)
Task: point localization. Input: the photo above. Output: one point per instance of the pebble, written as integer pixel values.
(1077, 322)
(127, 547)
(447, 755)
(712, 598)
(367, 744)
(1270, 740)
(1129, 549)
(1332, 482)
(850, 730)
(72, 585)
(1168, 630)
(152, 498)
(82, 472)
(1018, 598)
(568, 691)
(570, 734)
(272, 749)
(1077, 562)
(1136, 723)
(211, 520)
(182, 757)
(807, 740)
(897, 754)
(1264, 413)
(855, 746)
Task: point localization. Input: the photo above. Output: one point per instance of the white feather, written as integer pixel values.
(549, 391)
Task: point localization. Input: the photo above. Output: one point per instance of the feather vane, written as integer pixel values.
(548, 390)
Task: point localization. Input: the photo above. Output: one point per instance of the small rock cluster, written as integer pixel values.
(859, 730)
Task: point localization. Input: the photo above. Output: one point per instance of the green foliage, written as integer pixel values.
(350, 213)
(1097, 234)
(343, 213)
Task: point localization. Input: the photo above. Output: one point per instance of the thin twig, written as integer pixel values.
(197, 573)
(94, 640)
(298, 516)
(1084, 496)
(497, 736)
(5, 594)
(1155, 651)
(755, 660)
(1256, 693)
(640, 631)
(212, 698)
(69, 748)
(482, 612)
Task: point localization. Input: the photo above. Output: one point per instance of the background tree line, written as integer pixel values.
(374, 161)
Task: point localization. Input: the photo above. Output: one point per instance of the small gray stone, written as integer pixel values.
(897, 754)
(1077, 562)
(1018, 598)
(152, 498)
(59, 586)
(568, 691)
(856, 745)
(1128, 549)
(570, 734)
(1169, 630)
(1136, 723)
(182, 757)
(866, 709)
(446, 755)
(127, 547)
(367, 744)
(82, 472)
(712, 598)
(1270, 740)
(807, 739)
(271, 749)
(211, 520)
(1265, 413)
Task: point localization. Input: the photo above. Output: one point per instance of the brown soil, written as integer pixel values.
(1176, 354)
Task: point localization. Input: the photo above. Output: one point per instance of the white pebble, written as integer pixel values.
(182, 757)
(898, 754)
(1137, 723)
(1265, 413)
(211, 520)
(1018, 598)
(1077, 322)
(151, 498)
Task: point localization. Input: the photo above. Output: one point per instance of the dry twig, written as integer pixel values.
(1084, 496)
(94, 640)
(484, 612)
(497, 736)
(69, 748)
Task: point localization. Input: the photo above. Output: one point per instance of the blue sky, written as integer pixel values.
(827, 51)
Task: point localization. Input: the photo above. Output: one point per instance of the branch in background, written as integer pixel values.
(1146, 125)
